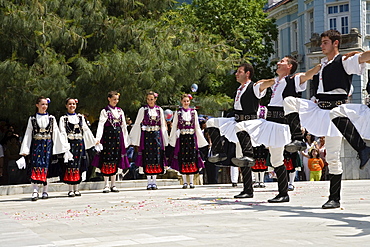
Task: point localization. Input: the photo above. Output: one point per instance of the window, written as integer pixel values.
(310, 24)
(295, 36)
(338, 18)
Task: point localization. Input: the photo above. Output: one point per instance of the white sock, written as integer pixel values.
(35, 187)
(256, 176)
(75, 187)
(149, 180)
(70, 187)
(106, 181)
(154, 177)
(291, 177)
(184, 179)
(45, 188)
(191, 178)
(262, 176)
(113, 180)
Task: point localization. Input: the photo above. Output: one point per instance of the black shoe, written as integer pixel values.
(45, 195)
(243, 161)
(35, 196)
(71, 194)
(279, 198)
(234, 184)
(77, 193)
(364, 156)
(191, 186)
(217, 158)
(256, 185)
(290, 187)
(295, 146)
(185, 186)
(114, 189)
(331, 204)
(244, 195)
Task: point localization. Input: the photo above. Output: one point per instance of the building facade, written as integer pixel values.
(300, 23)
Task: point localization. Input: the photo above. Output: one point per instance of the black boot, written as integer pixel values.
(247, 184)
(247, 149)
(349, 131)
(282, 178)
(297, 143)
(334, 197)
(217, 146)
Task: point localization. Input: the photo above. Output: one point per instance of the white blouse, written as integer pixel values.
(135, 133)
(104, 118)
(59, 145)
(175, 133)
(88, 136)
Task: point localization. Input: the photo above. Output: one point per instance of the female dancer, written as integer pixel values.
(112, 134)
(149, 134)
(187, 137)
(41, 140)
(75, 131)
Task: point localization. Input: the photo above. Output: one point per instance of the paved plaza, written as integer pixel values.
(205, 216)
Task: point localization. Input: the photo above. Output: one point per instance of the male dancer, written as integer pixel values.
(246, 103)
(332, 86)
(273, 132)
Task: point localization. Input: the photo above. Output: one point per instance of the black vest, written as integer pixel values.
(334, 76)
(249, 101)
(289, 90)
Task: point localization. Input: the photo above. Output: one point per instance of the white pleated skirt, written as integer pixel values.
(264, 132)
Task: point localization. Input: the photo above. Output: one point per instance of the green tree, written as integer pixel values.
(83, 49)
(244, 27)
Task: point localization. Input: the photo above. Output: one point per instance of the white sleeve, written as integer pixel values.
(102, 119)
(202, 142)
(173, 135)
(27, 139)
(163, 128)
(62, 127)
(256, 90)
(298, 86)
(59, 145)
(88, 136)
(352, 66)
(135, 133)
(125, 132)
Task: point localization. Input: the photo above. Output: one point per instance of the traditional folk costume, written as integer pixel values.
(332, 85)
(75, 131)
(149, 133)
(246, 105)
(259, 168)
(186, 137)
(273, 132)
(113, 135)
(41, 140)
(292, 163)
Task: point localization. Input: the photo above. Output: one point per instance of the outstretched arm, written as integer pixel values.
(266, 83)
(364, 57)
(310, 73)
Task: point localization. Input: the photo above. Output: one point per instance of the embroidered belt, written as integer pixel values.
(330, 104)
(187, 131)
(42, 136)
(75, 136)
(150, 128)
(240, 117)
(275, 114)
